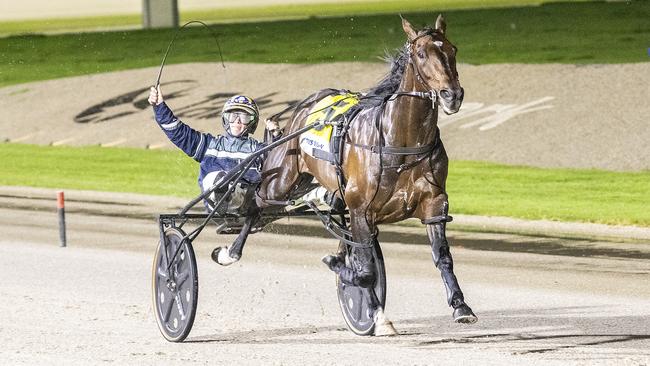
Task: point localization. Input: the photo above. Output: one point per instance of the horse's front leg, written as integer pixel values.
(436, 227)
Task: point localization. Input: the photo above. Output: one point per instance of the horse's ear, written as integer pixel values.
(408, 29)
(441, 25)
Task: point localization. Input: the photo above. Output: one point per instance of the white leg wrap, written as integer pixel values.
(224, 257)
(383, 326)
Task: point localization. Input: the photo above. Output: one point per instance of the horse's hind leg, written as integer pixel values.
(436, 228)
(228, 255)
(362, 273)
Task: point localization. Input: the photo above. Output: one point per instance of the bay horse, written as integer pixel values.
(393, 162)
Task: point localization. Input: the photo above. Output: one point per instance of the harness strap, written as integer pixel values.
(393, 150)
(426, 155)
(269, 172)
(425, 150)
(338, 230)
(422, 81)
(438, 219)
(424, 95)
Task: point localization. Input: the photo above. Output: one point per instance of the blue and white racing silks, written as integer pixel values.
(215, 154)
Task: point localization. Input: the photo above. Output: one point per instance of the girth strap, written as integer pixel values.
(424, 152)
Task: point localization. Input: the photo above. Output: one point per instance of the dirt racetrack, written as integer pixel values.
(591, 116)
(540, 301)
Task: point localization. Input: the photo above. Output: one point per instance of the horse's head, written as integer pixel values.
(434, 62)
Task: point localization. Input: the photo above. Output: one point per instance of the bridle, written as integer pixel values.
(418, 74)
(432, 93)
(424, 151)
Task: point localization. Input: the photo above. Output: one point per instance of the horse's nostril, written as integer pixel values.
(446, 94)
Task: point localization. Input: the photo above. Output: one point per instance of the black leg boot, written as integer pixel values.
(444, 262)
(361, 274)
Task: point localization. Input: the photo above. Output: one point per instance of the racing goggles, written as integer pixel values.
(243, 117)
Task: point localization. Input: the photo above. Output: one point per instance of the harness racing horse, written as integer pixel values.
(393, 163)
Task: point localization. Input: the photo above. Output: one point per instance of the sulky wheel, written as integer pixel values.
(175, 291)
(355, 302)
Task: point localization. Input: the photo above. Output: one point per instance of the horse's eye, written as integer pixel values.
(421, 55)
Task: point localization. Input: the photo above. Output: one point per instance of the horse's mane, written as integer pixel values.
(389, 84)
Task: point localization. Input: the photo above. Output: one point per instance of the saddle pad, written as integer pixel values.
(316, 142)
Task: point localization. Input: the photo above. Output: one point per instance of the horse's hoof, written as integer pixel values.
(220, 256)
(383, 326)
(463, 314)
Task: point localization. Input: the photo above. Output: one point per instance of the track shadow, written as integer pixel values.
(541, 330)
(526, 331)
(550, 246)
(534, 245)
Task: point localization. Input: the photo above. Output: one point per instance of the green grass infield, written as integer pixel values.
(477, 188)
(574, 32)
(259, 13)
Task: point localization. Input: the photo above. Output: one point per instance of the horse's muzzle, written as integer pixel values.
(451, 99)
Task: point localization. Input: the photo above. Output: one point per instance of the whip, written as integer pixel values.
(162, 64)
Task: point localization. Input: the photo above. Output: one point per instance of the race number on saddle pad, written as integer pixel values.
(316, 142)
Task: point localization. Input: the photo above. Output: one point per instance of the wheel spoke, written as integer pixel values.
(168, 247)
(179, 304)
(181, 278)
(358, 306)
(179, 262)
(168, 309)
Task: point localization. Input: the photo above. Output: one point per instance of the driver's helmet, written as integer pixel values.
(240, 103)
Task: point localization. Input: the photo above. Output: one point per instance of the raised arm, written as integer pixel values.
(192, 142)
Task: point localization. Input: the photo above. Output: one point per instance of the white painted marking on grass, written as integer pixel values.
(114, 143)
(62, 142)
(156, 146)
(22, 138)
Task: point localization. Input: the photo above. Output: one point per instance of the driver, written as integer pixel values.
(217, 155)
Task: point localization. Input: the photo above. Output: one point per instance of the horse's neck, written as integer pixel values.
(413, 120)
